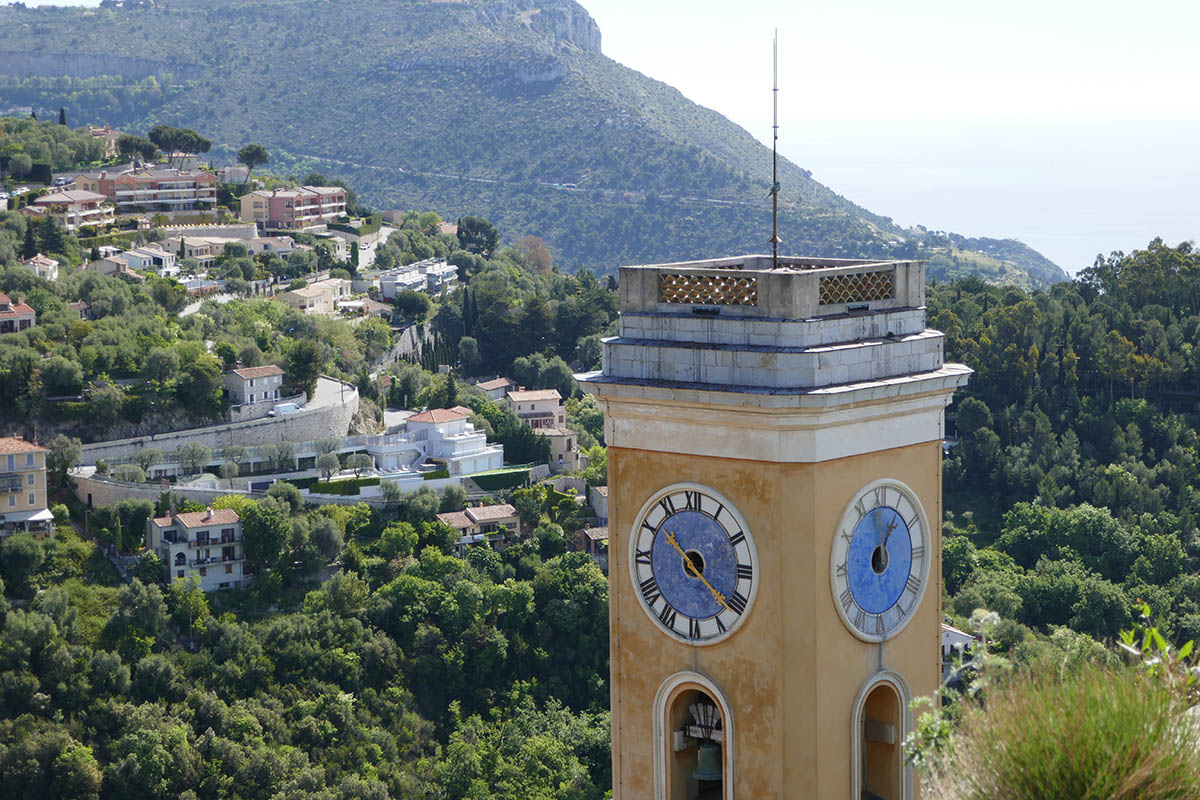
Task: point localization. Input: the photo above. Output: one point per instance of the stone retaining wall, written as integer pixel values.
(301, 426)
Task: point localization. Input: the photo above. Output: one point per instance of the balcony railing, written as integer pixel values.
(204, 562)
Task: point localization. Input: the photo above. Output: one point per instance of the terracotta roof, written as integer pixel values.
(40, 260)
(536, 394)
(69, 197)
(79, 305)
(556, 432)
(455, 519)
(491, 513)
(257, 372)
(496, 383)
(196, 519)
(438, 415)
(11, 444)
(14, 309)
(463, 410)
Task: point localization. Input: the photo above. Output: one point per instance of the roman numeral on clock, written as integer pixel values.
(745, 571)
(667, 505)
(918, 551)
(860, 619)
(846, 599)
(693, 628)
(879, 624)
(667, 616)
(737, 603)
(737, 538)
(643, 557)
(913, 585)
(649, 589)
(691, 501)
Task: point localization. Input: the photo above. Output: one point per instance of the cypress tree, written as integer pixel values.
(30, 248)
(62, 115)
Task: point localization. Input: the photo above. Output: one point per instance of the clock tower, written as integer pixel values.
(774, 433)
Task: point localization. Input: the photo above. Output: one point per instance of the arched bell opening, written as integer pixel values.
(695, 740)
(881, 723)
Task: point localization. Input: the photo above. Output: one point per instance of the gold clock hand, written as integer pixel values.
(720, 598)
(890, 527)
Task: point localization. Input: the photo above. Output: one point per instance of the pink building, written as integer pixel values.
(294, 208)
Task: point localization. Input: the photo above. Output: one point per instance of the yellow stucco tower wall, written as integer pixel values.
(786, 400)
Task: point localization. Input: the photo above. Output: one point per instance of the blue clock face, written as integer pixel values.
(879, 561)
(692, 563)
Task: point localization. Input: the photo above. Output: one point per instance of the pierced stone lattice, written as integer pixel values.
(710, 290)
(857, 287)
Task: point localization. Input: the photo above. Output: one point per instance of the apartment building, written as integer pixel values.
(431, 275)
(16, 316)
(301, 207)
(23, 504)
(73, 209)
(153, 189)
(205, 544)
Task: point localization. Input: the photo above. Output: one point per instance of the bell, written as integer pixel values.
(708, 764)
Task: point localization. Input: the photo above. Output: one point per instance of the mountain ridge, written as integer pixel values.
(506, 108)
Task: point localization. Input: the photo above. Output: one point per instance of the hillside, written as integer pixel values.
(505, 108)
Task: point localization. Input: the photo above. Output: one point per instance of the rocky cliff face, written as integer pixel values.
(564, 20)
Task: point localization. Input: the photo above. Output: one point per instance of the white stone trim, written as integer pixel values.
(667, 692)
(813, 427)
(900, 686)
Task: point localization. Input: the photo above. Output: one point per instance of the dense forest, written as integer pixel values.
(1074, 489)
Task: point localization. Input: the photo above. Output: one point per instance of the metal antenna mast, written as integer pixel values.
(775, 240)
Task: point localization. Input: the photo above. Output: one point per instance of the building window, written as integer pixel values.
(31, 479)
(229, 569)
(178, 573)
(29, 459)
(12, 463)
(203, 571)
(12, 500)
(32, 498)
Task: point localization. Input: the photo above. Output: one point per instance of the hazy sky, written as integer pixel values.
(1072, 126)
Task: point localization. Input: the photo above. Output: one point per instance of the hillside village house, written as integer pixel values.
(564, 450)
(110, 138)
(205, 250)
(440, 435)
(319, 297)
(44, 267)
(496, 388)
(73, 209)
(540, 408)
(205, 544)
(288, 209)
(23, 488)
(153, 189)
(113, 265)
(151, 258)
(474, 524)
(16, 316)
(249, 385)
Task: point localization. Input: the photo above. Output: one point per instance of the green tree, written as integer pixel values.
(265, 529)
(21, 556)
(193, 457)
(328, 464)
(65, 452)
(304, 365)
(253, 155)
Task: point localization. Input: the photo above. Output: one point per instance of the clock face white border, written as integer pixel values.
(880, 627)
(726, 515)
